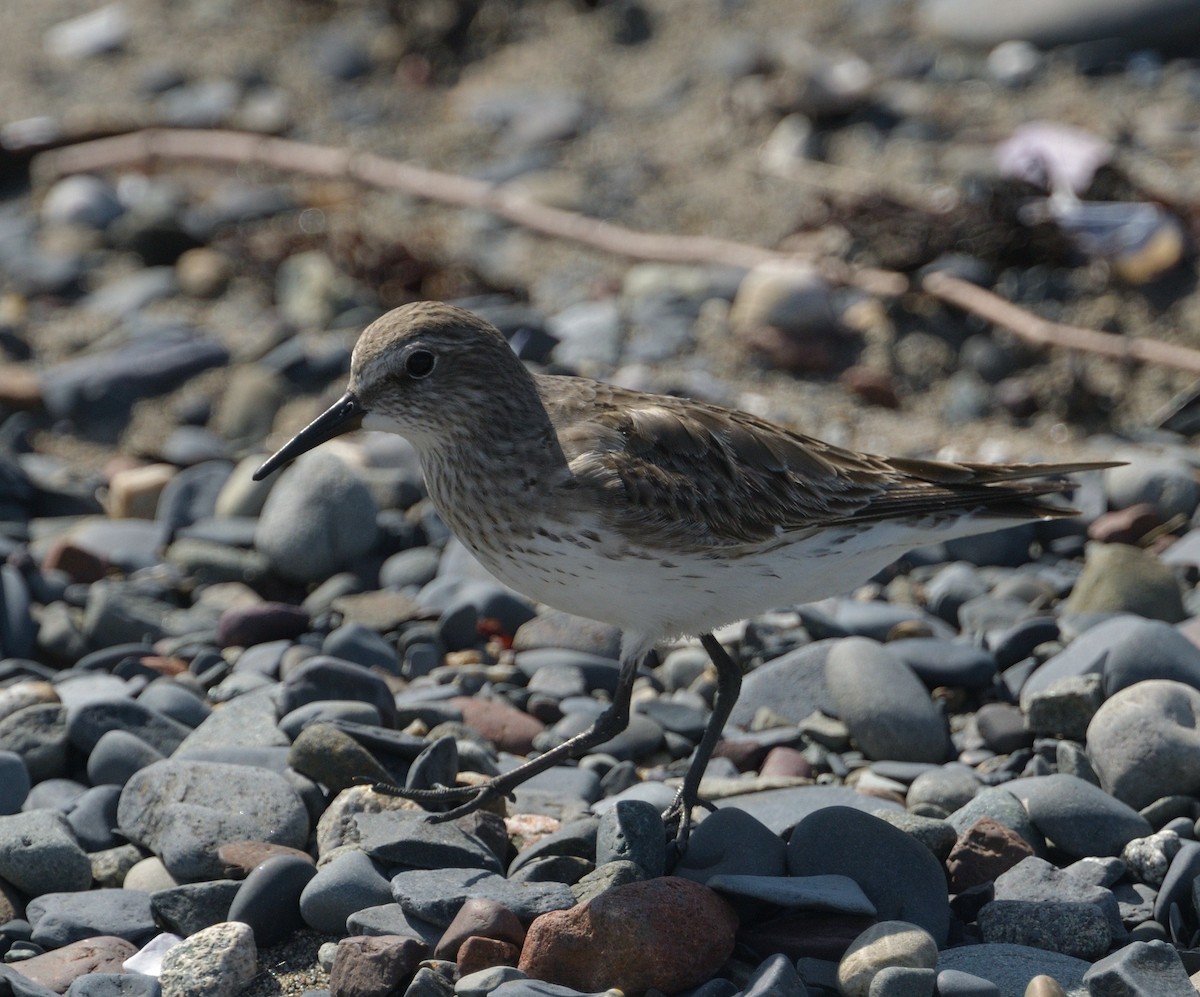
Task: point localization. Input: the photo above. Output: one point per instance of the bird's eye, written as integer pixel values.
(419, 363)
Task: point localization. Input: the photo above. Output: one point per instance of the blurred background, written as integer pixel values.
(1045, 151)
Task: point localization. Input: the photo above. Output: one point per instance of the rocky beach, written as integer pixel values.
(976, 775)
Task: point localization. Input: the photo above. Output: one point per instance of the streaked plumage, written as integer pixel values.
(661, 515)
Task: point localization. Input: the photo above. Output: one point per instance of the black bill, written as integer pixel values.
(342, 416)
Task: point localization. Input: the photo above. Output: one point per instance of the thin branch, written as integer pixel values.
(149, 147)
(1043, 332)
(146, 148)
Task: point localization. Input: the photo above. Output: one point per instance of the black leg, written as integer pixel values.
(610, 723)
(729, 684)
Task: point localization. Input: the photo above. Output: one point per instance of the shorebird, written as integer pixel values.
(661, 515)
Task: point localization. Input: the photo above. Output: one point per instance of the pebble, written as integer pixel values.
(61, 918)
(261, 646)
(900, 875)
(184, 810)
(671, 933)
(887, 708)
(56, 971)
(1141, 968)
(1142, 742)
(39, 854)
(217, 961)
(882, 946)
(318, 519)
(1117, 578)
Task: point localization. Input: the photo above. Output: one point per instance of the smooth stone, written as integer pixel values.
(126, 984)
(731, 843)
(1151, 649)
(117, 612)
(323, 711)
(39, 854)
(775, 977)
(956, 983)
(93, 816)
(436, 895)
(633, 831)
(191, 907)
(356, 643)
(390, 919)
(1177, 884)
(950, 588)
(1167, 483)
(416, 566)
(948, 787)
(349, 882)
(269, 898)
(1012, 967)
(878, 620)
(87, 724)
(1143, 742)
(38, 734)
(1077, 816)
(1002, 727)
(323, 678)
(245, 721)
(375, 964)
(328, 756)
(59, 919)
(82, 199)
(939, 662)
(900, 875)
(575, 838)
(14, 782)
(884, 945)
(792, 685)
(780, 810)
(829, 893)
(1002, 806)
(1119, 578)
(887, 708)
(184, 810)
(260, 623)
(312, 524)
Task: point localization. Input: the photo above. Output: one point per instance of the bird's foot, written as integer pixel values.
(473, 797)
(679, 813)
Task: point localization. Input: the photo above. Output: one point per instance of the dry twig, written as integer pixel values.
(146, 148)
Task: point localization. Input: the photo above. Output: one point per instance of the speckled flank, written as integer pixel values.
(661, 515)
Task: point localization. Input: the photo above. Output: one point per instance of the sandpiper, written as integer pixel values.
(661, 515)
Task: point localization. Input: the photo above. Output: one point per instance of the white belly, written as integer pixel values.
(691, 594)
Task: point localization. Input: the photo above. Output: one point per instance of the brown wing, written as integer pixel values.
(640, 454)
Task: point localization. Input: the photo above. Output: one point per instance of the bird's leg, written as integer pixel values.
(729, 683)
(606, 726)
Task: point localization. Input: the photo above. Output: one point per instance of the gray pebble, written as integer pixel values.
(349, 882)
(1076, 928)
(191, 907)
(887, 708)
(61, 918)
(1141, 968)
(435, 895)
(183, 811)
(1143, 742)
(318, 519)
(39, 854)
(899, 874)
